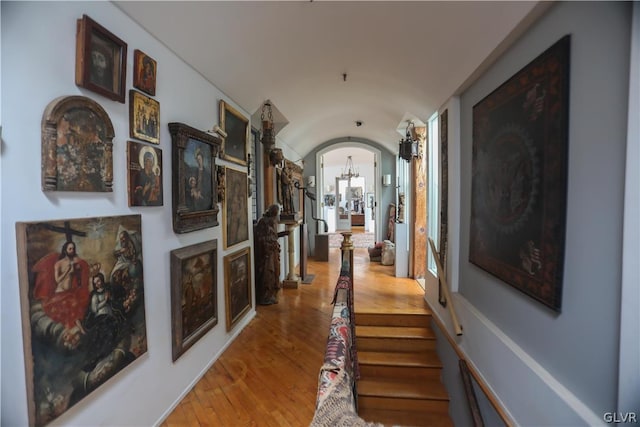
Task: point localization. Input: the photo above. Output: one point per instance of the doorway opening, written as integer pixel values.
(347, 178)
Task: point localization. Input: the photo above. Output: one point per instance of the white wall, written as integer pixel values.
(629, 377)
(38, 49)
(552, 368)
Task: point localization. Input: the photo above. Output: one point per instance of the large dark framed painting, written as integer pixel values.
(194, 303)
(77, 147)
(101, 60)
(236, 126)
(195, 195)
(444, 198)
(236, 207)
(519, 177)
(82, 300)
(144, 174)
(237, 286)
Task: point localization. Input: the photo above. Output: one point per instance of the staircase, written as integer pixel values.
(399, 369)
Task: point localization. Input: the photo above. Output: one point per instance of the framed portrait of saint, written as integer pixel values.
(144, 72)
(194, 301)
(144, 174)
(195, 187)
(144, 117)
(236, 207)
(101, 60)
(237, 286)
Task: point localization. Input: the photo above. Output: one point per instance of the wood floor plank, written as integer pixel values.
(269, 375)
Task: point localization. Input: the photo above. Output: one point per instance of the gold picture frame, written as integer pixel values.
(236, 126)
(144, 117)
(237, 286)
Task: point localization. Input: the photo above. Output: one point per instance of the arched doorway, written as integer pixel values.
(340, 192)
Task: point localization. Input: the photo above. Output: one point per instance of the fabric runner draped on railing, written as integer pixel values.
(336, 399)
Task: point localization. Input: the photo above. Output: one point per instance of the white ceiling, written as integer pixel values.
(400, 58)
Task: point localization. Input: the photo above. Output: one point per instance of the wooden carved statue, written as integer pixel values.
(267, 253)
(286, 190)
(401, 207)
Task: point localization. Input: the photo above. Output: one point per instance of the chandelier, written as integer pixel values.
(349, 170)
(409, 146)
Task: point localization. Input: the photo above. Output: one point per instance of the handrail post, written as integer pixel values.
(445, 288)
(347, 250)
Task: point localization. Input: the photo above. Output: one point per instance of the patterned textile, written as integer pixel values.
(337, 356)
(336, 408)
(344, 282)
(335, 403)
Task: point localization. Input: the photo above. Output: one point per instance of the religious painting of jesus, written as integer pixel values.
(82, 301)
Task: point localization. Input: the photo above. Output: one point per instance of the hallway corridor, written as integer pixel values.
(268, 375)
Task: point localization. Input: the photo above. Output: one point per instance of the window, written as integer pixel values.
(433, 208)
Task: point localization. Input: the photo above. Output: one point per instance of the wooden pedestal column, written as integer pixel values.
(292, 280)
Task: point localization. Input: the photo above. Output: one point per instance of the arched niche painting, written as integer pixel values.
(77, 147)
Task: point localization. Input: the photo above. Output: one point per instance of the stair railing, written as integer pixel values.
(445, 288)
(336, 399)
(469, 369)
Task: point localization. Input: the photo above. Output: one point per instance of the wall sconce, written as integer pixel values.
(409, 146)
(217, 129)
(386, 180)
(311, 181)
(268, 136)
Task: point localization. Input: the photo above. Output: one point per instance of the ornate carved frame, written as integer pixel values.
(186, 219)
(59, 112)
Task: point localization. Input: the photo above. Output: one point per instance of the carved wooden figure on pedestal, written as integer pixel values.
(267, 254)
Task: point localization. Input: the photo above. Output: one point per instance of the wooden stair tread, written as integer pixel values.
(405, 418)
(394, 332)
(393, 311)
(422, 359)
(403, 389)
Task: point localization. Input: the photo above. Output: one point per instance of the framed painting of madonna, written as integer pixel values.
(82, 303)
(194, 187)
(519, 177)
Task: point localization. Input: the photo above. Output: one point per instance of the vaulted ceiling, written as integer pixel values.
(329, 64)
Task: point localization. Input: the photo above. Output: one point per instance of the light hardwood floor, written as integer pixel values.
(269, 375)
